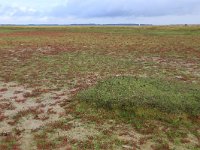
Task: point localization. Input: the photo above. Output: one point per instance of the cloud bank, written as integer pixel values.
(126, 8)
(100, 11)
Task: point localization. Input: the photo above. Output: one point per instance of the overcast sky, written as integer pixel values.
(100, 11)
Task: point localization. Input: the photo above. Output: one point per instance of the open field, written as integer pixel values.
(100, 88)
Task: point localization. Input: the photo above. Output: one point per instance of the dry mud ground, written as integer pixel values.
(46, 121)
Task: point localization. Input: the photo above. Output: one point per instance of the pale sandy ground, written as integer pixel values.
(39, 112)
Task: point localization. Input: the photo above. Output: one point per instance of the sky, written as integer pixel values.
(158, 12)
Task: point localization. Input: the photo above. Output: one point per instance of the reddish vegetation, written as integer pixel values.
(20, 100)
(144, 50)
(2, 117)
(34, 93)
(18, 92)
(9, 142)
(51, 111)
(3, 89)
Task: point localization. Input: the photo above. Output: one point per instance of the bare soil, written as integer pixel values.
(25, 115)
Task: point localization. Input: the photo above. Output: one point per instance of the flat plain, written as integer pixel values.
(100, 88)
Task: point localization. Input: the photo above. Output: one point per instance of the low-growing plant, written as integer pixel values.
(128, 94)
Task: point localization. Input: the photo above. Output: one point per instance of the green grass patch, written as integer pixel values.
(128, 94)
(58, 69)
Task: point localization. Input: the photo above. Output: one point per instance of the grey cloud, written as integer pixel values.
(105, 11)
(125, 8)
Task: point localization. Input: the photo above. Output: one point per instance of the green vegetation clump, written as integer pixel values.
(129, 93)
